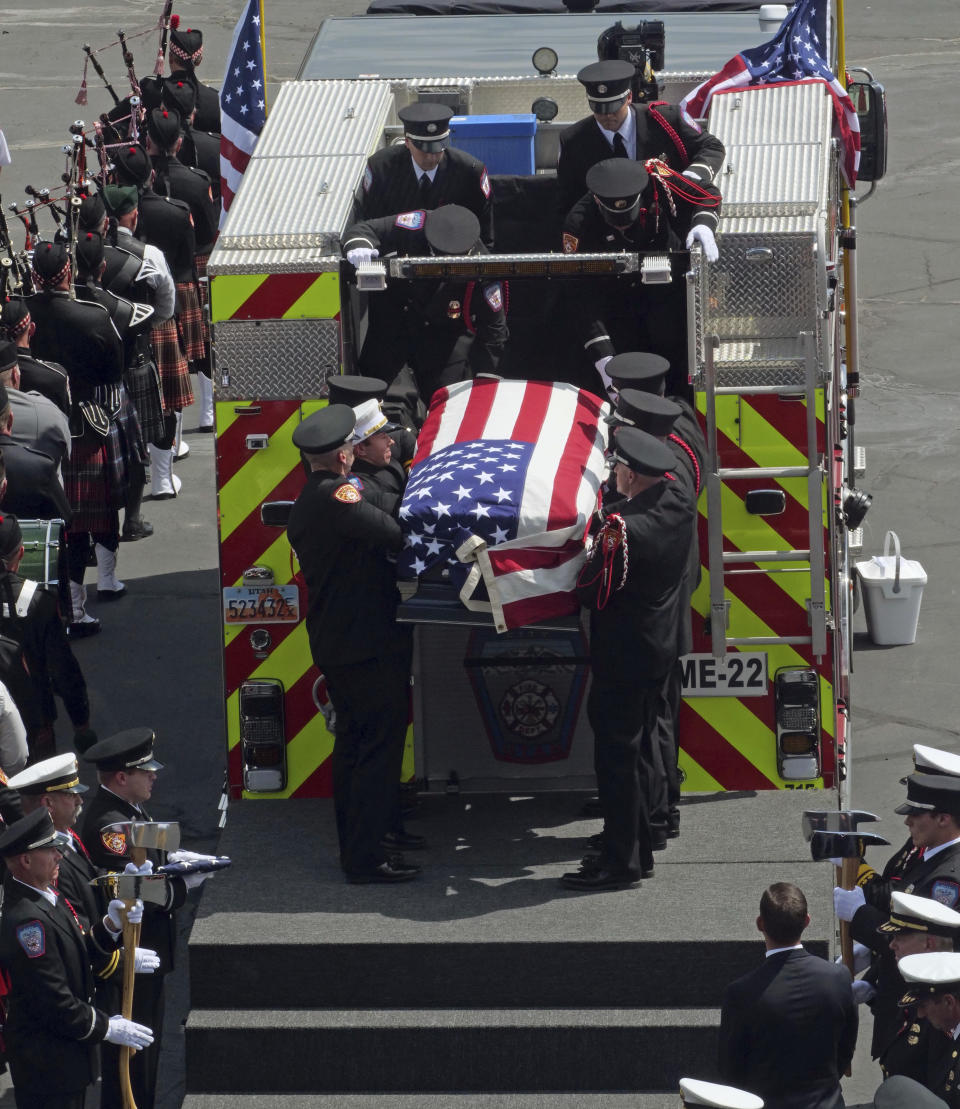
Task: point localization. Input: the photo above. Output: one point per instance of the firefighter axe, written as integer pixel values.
(834, 820)
(138, 836)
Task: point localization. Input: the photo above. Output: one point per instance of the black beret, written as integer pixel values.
(637, 370)
(49, 259)
(15, 317)
(647, 411)
(452, 229)
(642, 453)
(121, 199)
(163, 126)
(28, 833)
(325, 430)
(184, 41)
(180, 95)
(9, 355)
(354, 389)
(131, 749)
(133, 165)
(151, 92)
(92, 213)
(89, 252)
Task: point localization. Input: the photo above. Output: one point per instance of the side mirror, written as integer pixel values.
(870, 103)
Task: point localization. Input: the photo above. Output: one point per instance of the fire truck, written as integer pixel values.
(772, 342)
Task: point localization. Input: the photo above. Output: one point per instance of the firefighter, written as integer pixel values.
(445, 331)
(344, 543)
(53, 1026)
(695, 1092)
(354, 389)
(373, 459)
(622, 129)
(46, 378)
(632, 585)
(932, 984)
(31, 481)
(629, 209)
(425, 172)
(185, 53)
(38, 422)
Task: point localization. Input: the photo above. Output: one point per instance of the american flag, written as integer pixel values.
(795, 53)
(243, 102)
(503, 485)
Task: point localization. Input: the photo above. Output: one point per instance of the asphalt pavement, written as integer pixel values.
(158, 659)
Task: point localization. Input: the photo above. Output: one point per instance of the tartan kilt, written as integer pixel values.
(86, 480)
(133, 445)
(190, 317)
(142, 382)
(174, 372)
(201, 264)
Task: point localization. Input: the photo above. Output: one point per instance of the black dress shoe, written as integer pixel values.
(595, 843)
(135, 528)
(403, 841)
(83, 629)
(591, 807)
(598, 877)
(673, 833)
(205, 428)
(111, 594)
(395, 869)
(659, 840)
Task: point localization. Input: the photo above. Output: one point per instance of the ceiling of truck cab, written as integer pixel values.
(395, 46)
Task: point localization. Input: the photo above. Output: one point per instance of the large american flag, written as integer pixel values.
(503, 485)
(795, 53)
(243, 102)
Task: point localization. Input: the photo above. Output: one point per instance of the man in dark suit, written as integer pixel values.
(788, 1029)
(618, 128)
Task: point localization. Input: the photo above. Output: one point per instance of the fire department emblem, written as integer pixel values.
(347, 494)
(529, 709)
(454, 309)
(947, 893)
(412, 221)
(431, 127)
(601, 89)
(32, 939)
(115, 842)
(494, 296)
(570, 243)
(367, 179)
(485, 185)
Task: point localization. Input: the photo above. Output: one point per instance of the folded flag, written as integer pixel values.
(501, 491)
(795, 53)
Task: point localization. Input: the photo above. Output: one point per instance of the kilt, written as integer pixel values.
(125, 445)
(174, 372)
(86, 480)
(142, 382)
(203, 365)
(190, 317)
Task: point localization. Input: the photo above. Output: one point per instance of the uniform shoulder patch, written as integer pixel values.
(347, 494)
(115, 842)
(493, 295)
(570, 243)
(412, 221)
(356, 482)
(485, 184)
(946, 892)
(367, 179)
(32, 939)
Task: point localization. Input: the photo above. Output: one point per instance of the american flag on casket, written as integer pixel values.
(503, 485)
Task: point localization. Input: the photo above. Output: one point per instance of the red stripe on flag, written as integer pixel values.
(278, 293)
(533, 610)
(479, 406)
(722, 761)
(533, 558)
(431, 426)
(533, 411)
(573, 461)
(235, 155)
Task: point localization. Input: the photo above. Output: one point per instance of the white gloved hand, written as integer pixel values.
(114, 918)
(704, 236)
(692, 174)
(132, 868)
(360, 255)
(863, 991)
(127, 1033)
(191, 881)
(862, 957)
(184, 856)
(145, 961)
(601, 367)
(836, 862)
(846, 902)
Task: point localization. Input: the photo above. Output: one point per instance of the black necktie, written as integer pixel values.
(425, 184)
(619, 146)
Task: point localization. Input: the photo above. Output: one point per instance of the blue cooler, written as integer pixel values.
(503, 143)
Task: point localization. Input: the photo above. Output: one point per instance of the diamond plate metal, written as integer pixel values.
(274, 359)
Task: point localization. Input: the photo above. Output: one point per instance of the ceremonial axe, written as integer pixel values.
(137, 836)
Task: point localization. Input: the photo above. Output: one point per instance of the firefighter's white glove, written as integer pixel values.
(191, 881)
(836, 862)
(127, 1033)
(145, 961)
(862, 957)
(132, 868)
(113, 921)
(692, 174)
(184, 856)
(704, 236)
(863, 991)
(601, 368)
(846, 902)
(360, 255)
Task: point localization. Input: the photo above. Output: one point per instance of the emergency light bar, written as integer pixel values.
(492, 267)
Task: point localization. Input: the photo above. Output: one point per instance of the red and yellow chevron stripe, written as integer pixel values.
(728, 742)
(274, 296)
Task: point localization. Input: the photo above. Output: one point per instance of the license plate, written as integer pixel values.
(261, 604)
(736, 675)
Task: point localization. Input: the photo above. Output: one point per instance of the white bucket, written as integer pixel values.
(892, 591)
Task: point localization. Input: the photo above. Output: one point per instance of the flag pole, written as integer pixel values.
(263, 54)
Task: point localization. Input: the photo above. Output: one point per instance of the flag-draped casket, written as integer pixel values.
(504, 482)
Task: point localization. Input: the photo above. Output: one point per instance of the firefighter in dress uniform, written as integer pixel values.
(344, 544)
(932, 987)
(373, 446)
(445, 331)
(127, 770)
(82, 338)
(631, 584)
(165, 223)
(53, 1026)
(618, 128)
(696, 1092)
(629, 209)
(354, 389)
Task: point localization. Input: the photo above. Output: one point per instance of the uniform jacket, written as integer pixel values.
(788, 1030)
(343, 543)
(391, 479)
(583, 144)
(39, 423)
(201, 149)
(34, 489)
(159, 929)
(76, 872)
(390, 185)
(645, 612)
(193, 187)
(918, 1050)
(52, 1027)
(46, 378)
(81, 337)
(164, 222)
(207, 116)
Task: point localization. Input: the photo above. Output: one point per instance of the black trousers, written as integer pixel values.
(665, 789)
(25, 1099)
(371, 699)
(623, 715)
(148, 1007)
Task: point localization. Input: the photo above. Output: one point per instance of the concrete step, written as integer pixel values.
(447, 1100)
(436, 1050)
